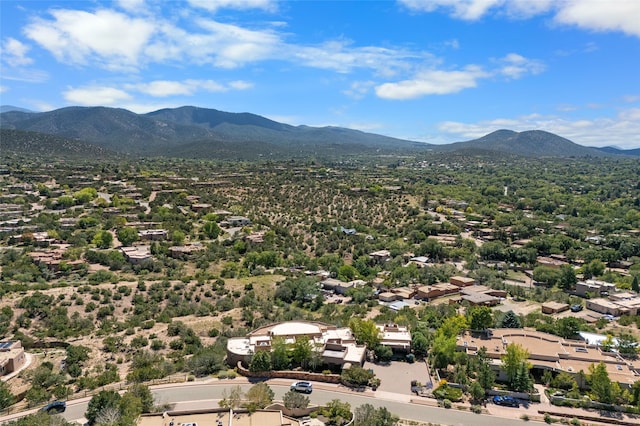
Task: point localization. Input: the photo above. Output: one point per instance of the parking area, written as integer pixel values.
(396, 376)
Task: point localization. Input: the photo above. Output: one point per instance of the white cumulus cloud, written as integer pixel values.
(619, 15)
(597, 15)
(96, 95)
(215, 5)
(78, 37)
(433, 82)
(14, 52)
(515, 66)
(165, 88)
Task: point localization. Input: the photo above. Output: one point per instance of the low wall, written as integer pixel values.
(292, 412)
(533, 397)
(289, 374)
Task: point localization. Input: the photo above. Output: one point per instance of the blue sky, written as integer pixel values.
(437, 71)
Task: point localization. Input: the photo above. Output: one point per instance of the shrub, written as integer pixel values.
(356, 376)
(448, 392)
(476, 409)
(446, 403)
(525, 417)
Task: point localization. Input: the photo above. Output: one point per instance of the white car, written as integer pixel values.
(305, 387)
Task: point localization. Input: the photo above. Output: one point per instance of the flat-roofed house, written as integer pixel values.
(462, 281)
(137, 254)
(217, 417)
(387, 296)
(550, 262)
(403, 292)
(430, 292)
(554, 307)
(337, 345)
(337, 286)
(153, 234)
(548, 352)
(236, 221)
(479, 299)
(12, 357)
(595, 287)
(606, 306)
(380, 256)
(395, 336)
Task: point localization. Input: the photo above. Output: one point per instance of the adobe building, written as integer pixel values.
(217, 417)
(462, 281)
(395, 337)
(549, 352)
(12, 357)
(337, 345)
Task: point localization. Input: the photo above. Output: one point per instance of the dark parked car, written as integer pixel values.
(506, 400)
(54, 407)
(576, 308)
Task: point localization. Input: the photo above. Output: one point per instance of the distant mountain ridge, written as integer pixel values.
(7, 108)
(530, 143)
(171, 131)
(208, 133)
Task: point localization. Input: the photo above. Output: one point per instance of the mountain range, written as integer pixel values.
(208, 133)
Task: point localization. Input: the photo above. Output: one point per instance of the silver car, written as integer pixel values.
(305, 387)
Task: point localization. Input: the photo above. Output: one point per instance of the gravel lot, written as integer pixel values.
(396, 376)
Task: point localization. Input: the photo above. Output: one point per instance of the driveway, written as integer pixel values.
(396, 376)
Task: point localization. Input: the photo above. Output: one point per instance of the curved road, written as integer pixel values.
(199, 395)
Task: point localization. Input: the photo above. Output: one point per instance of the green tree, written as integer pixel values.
(627, 345)
(522, 382)
(102, 239)
(302, 350)
(85, 195)
(144, 395)
(356, 376)
(127, 235)
(419, 344)
(594, 268)
(280, 359)
(260, 361)
(337, 411)
(383, 353)
(567, 279)
(546, 275)
(103, 402)
(40, 419)
(211, 230)
(568, 327)
(231, 398)
(476, 390)
(177, 237)
(635, 286)
(6, 397)
(602, 389)
(608, 343)
(259, 396)
(480, 317)
(510, 320)
(368, 415)
(293, 399)
(514, 356)
(365, 332)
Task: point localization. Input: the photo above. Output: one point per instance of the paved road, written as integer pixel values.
(197, 395)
